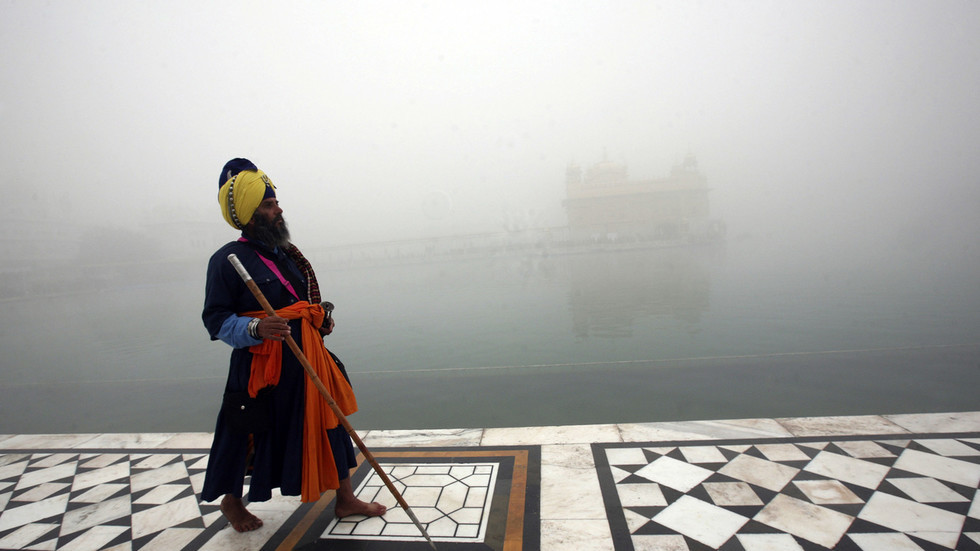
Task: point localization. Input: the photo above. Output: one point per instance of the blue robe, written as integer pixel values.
(278, 452)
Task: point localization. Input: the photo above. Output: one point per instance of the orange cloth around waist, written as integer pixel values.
(319, 469)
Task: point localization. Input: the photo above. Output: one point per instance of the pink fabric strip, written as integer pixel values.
(275, 269)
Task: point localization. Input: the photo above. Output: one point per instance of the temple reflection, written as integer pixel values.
(609, 293)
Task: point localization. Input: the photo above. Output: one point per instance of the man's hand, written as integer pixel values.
(273, 328)
(327, 327)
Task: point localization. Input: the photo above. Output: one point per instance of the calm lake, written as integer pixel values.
(748, 329)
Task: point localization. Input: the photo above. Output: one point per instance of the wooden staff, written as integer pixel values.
(326, 396)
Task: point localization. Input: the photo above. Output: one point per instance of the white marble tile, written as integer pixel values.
(421, 438)
(441, 528)
(818, 445)
(863, 449)
(701, 430)
(840, 426)
(373, 526)
(968, 421)
(927, 490)
(171, 539)
(161, 494)
(33, 478)
(636, 495)
(769, 542)
(558, 483)
(155, 461)
(726, 494)
(703, 454)
(660, 543)
(674, 474)
(42, 491)
(884, 542)
(619, 474)
(760, 472)
(54, 459)
(89, 516)
(227, 539)
(575, 456)
(476, 497)
(94, 538)
(278, 502)
(808, 521)
(848, 469)
(155, 519)
(11, 458)
(188, 441)
(100, 492)
(195, 461)
(46, 441)
(23, 536)
(569, 470)
(922, 521)
(12, 470)
(825, 492)
(197, 482)
(948, 447)
(96, 461)
(943, 468)
(126, 440)
(782, 452)
(701, 521)
(572, 434)
(149, 479)
(634, 520)
(626, 456)
(422, 496)
(562, 535)
(112, 473)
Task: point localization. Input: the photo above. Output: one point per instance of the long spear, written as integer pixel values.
(326, 396)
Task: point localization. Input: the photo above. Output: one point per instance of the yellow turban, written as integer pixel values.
(242, 194)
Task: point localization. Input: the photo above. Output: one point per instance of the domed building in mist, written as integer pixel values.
(604, 206)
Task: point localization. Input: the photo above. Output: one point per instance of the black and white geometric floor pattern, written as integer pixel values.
(148, 500)
(859, 493)
(95, 500)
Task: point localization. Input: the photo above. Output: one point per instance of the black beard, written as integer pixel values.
(268, 232)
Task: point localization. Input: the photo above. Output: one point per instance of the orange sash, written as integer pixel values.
(319, 469)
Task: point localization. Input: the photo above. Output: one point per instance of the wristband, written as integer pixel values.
(253, 328)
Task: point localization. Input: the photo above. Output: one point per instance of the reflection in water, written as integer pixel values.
(523, 339)
(610, 292)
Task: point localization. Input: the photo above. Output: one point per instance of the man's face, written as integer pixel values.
(268, 225)
(270, 211)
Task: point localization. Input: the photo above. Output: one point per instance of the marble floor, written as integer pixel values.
(885, 482)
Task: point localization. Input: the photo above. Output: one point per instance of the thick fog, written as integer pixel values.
(819, 126)
(839, 140)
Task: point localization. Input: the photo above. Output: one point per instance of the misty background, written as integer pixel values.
(840, 141)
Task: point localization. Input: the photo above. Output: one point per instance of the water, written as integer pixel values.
(745, 330)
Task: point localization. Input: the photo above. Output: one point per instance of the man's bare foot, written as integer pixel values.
(239, 517)
(358, 507)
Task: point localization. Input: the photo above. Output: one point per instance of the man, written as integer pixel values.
(273, 423)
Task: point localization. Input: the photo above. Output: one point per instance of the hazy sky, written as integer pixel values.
(823, 117)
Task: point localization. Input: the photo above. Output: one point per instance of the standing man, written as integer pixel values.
(273, 423)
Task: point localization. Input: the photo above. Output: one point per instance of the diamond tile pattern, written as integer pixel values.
(856, 494)
(100, 500)
(149, 499)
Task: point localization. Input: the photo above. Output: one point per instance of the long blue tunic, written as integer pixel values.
(278, 452)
